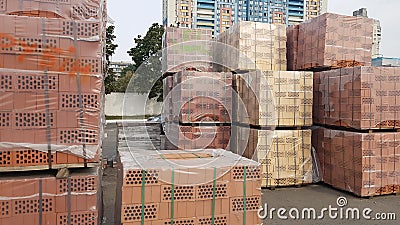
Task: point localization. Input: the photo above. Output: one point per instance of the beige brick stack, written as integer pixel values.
(267, 96)
(275, 98)
(285, 155)
(251, 46)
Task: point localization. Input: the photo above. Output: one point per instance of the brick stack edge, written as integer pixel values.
(51, 110)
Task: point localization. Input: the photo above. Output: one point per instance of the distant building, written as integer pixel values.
(383, 61)
(219, 15)
(117, 67)
(216, 15)
(377, 32)
(265, 11)
(315, 8)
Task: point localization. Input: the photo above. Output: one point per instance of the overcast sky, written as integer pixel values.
(133, 18)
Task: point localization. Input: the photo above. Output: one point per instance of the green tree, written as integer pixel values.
(147, 57)
(110, 46)
(123, 81)
(131, 68)
(110, 79)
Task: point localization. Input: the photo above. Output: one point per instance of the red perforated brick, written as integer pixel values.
(31, 206)
(83, 184)
(132, 213)
(36, 82)
(6, 81)
(3, 5)
(71, 101)
(187, 221)
(85, 11)
(78, 218)
(206, 191)
(81, 65)
(6, 44)
(252, 204)
(252, 172)
(84, 29)
(134, 177)
(77, 136)
(5, 158)
(5, 209)
(5, 119)
(218, 220)
(31, 157)
(33, 119)
(34, 44)
(181, 193)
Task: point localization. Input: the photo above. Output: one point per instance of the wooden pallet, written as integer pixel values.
(46, 167)
(283, 182)
(343, 127)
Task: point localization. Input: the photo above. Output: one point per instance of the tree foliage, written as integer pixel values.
(110, 80)
(147, 56)
(110, 46)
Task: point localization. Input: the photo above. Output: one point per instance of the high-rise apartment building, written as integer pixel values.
(377, 32)
(219, 15)
(208, 14)
(266, 11)
(314, 8)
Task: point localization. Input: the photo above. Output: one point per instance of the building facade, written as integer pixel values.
(315, 8)
(266, 11)
(377, 39)
(219, 15)
(117, 67)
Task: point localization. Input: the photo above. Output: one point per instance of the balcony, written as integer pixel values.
(201, 12)
(205, 6)
(295, 13)
(296, 9)
(296, 3)
(204, 19)
(206, 1)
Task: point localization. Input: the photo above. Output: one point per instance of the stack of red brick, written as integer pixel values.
(358, 97)
(211, 186)
(366, 164)
(330, 41)
(197, 103)
(51, 94)
(186, 48)
(353, 103)
(51, 83)
(28, 199)
(357, 100)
